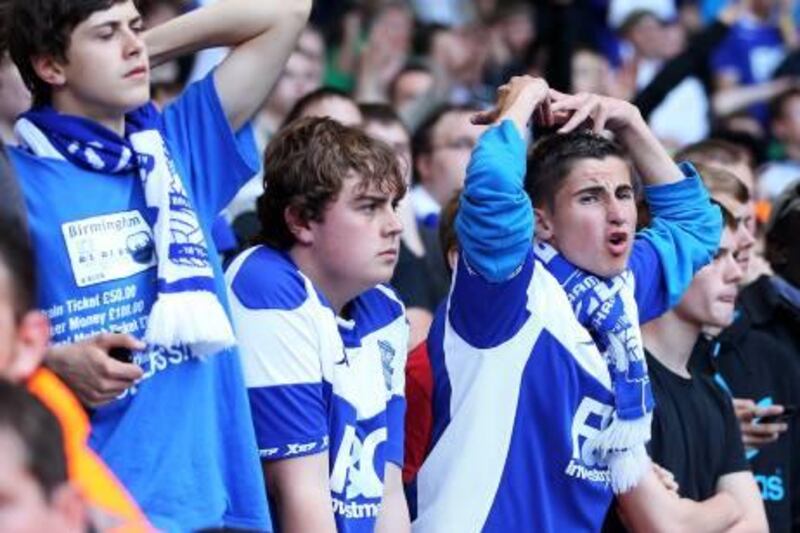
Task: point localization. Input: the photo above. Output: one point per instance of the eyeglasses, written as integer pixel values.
(459, 143)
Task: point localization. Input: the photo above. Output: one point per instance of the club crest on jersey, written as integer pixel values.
(387, 357)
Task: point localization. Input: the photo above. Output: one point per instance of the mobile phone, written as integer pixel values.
(122, 354)
(789, 412)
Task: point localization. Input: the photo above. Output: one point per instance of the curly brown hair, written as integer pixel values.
(305, 166)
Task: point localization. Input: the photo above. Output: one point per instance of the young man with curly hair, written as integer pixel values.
(323, 339)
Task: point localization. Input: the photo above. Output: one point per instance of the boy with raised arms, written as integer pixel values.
(541, 399)
(120, 199)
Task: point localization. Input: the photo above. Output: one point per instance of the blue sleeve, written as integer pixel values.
(495, 218)
(395, 427)
(682, 238)
(216, 160)
(279, 344)
(487, 314)
(725, 56)
(488, 301)
(289, 420)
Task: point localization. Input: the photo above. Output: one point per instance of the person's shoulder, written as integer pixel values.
(714, 391)
(201, 89)
(381, 303)
(759, 301)
(265, 278)
(22, 159)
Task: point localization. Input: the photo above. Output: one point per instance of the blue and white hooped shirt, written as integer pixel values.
(320, 383)
(519, 386)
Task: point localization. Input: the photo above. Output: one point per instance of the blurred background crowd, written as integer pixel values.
(717, 80)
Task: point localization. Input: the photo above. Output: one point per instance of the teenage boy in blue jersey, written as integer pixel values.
(120, 199)
(541, 402)
(323, 341)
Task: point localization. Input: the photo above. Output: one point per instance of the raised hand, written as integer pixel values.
(602, 112)
(519, 100)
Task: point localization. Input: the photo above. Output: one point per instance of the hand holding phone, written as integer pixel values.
(789, 412)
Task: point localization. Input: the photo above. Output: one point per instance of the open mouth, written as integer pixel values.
(618, 243)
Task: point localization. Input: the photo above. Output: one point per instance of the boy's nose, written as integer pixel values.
(134, 44)
(394, 225)
(615, 212)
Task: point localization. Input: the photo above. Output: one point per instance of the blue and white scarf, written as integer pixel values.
(187, 310)
(600, 306)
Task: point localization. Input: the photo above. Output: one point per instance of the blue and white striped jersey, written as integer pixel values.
(519, 386)
(320, 383)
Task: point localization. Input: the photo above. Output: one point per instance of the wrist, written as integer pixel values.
(633, 125)
(54, 358)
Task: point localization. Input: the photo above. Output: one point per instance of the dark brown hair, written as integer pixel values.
(39, 434)
(43, 27)
(553, 157)
(306, 165)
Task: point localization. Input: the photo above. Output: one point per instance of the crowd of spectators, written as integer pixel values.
(147, 419)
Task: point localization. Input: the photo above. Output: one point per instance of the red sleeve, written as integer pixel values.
(419, 410)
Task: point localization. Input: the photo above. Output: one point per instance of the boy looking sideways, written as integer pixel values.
(541, 398)
(120, 199)
(323, 340)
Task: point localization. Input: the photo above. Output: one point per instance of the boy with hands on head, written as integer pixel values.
(541, 396)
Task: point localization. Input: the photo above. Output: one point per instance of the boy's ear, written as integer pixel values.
(70, 507)
(49, 69)
(544, 224)
(298, 226)
(33, 337)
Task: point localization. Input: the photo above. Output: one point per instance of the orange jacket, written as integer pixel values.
(101, 489)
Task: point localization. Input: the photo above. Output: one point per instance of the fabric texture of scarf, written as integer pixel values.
(187, 310)
(599, 306)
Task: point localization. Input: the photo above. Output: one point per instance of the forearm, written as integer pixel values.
(742, 487)
(717, 513)
(495, 219)
(416, 111)
(302, 510)
(733, 99)
(393, 517)
(648, 155)
(685, 230)
(223, 23)
(651, 508)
